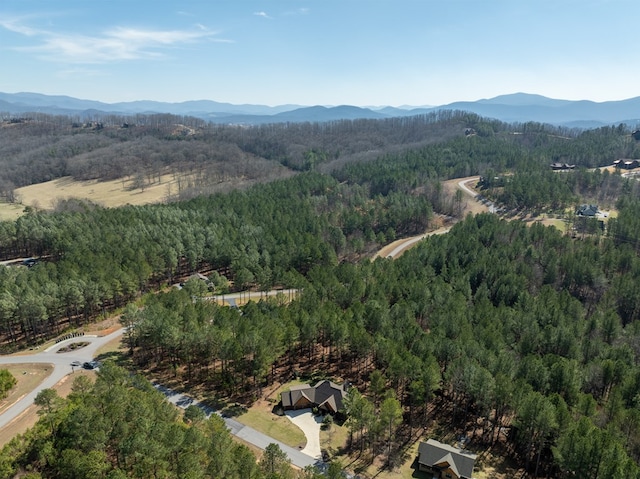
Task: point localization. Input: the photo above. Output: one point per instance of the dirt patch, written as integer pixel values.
(104, 327)
(469, 204)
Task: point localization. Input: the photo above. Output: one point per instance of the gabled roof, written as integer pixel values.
(587, 210)
(433, 453)
(324, 394)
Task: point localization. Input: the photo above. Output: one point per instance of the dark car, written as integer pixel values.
(90, 364)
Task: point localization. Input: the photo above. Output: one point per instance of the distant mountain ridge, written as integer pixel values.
(512, 108)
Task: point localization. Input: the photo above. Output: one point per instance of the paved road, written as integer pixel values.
(245, 296)
(491, 208)
(61, 363)
(409, 241)
(241, 431)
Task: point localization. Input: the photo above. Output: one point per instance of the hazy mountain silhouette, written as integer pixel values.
(517, 107)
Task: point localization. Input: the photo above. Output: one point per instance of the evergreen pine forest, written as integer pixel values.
(523, 337)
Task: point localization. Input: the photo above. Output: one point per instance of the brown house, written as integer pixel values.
(444, 461)
(325, 395)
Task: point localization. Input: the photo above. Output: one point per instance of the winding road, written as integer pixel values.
(398, 247)
(61, 362)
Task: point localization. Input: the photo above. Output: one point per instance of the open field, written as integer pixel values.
(10, 211)
(107, 193)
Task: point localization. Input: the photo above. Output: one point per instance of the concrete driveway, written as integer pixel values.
(298, 458)
(310, 425)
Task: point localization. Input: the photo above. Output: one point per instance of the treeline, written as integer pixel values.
(48, 147)
(509, 334)
(94, 259)
(535, 188)
(143, 148)
(121, 427)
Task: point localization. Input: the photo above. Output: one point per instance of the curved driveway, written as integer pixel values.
(61, 363)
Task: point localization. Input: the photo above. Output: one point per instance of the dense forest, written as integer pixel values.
(497, 326)
(514, 335)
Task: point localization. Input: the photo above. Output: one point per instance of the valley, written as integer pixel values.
(473, 328)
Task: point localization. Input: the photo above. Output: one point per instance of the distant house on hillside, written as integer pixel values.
(626, 164)
(325, 395)
(589, 211)
(562, 166)
(444, 461)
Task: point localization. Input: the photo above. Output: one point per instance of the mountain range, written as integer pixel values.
(512, 108)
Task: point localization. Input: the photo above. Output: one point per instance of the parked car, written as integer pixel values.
(29, 262)
(91, 364)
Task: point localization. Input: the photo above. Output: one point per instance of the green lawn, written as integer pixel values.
(277, 427)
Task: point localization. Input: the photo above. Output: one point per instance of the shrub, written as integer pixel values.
(7, 381)
(327, 422)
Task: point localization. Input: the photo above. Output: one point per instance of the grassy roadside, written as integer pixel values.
(28, 376)
(30, 416)
(261, 417)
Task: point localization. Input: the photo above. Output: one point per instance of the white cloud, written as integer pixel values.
(261, 14)
(116, 44)
(14, 25)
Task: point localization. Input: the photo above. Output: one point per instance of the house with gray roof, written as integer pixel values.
(444, 461)
(325, 395)
(590, 211)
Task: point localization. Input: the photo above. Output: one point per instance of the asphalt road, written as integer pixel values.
(61, 363)
(239, 430)
(245, 296)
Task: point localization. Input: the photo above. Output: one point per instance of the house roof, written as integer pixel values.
(433, 453)
(587, 210)
(324, 394)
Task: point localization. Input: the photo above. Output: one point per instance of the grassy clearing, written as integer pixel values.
(334, 439)
(277, 427)
(28, 377)
(107, 193)
(261, 417)
(10, 211)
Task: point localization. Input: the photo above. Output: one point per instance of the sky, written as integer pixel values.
(320, 52)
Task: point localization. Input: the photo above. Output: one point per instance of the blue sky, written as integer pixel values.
(329, 52)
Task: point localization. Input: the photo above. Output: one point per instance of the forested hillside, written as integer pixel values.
(97, 259)
(496, 326)
(122, 427)
(516, 336)
(143, 148)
